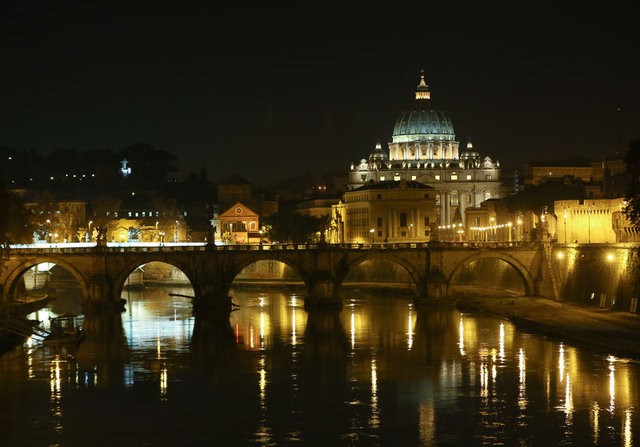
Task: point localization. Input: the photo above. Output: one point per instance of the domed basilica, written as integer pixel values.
(424, 149)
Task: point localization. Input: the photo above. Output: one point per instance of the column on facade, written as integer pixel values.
(462, 204)
(446, 208)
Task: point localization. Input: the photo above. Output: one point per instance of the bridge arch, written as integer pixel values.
(409, 268)
(523, 272)
(130, 266)
(247, 262)
(14, 276)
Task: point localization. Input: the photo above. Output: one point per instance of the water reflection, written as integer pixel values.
(379, 371)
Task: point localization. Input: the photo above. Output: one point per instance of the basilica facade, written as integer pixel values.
(424, 149)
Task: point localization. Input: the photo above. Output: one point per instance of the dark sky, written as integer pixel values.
(268, 92)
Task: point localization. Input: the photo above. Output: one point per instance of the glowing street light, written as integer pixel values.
(371, 231)
(89, 230)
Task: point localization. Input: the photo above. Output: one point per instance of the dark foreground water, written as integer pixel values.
(377, 372)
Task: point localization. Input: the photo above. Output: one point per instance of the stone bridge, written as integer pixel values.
(102, 272)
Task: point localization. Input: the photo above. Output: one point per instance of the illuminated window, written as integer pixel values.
(437, 176)
(413, 177)
(396, 177)
(468, 176)
(454, 176)
(487, 195)
(382, 178)
(487, 177)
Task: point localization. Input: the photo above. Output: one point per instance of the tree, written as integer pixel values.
(103, 209)
(149, 166)
(535, 198)
(632, 160)
(289, 226)
(15, 226)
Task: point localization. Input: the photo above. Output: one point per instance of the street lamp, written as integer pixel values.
(565, 226)
(410, 232)
(260, 232)
(175, 239)
(89, 230)
(371, 232)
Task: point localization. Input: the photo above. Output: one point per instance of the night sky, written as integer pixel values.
(269, 92)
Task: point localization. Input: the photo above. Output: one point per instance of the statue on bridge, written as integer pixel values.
(101, 238)
(211, 237)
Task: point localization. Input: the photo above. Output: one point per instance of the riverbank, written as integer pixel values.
(611, 331)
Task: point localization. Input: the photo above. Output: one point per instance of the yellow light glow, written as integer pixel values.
(559, 255)
(610, 257)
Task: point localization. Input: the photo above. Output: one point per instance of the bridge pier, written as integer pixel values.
(101, 296)
(434, 287)
(212, 303)
(322, 293)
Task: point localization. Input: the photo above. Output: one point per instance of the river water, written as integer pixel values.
(377, 372)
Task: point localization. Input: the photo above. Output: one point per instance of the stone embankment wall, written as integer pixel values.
(604, 275)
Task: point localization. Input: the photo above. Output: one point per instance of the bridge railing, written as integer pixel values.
(201, 246)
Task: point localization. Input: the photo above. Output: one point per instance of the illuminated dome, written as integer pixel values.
(378, 154)
(423, 122)
(423, 134)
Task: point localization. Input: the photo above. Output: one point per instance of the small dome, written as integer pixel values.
(469, 153)
(378, 154)
(423, 121)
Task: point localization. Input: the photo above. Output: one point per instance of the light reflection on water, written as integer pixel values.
(378, 372)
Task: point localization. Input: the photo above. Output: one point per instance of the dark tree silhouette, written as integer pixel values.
(289, 226)
(632, 160)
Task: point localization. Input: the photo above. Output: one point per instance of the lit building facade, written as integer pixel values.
(593, 221)
(240, 225)
(390, 211)
(424, 149)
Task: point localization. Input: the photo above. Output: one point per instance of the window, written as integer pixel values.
(382, 178)
(454, 176)
(426, 221)
(396, 177)
(487, 177)
(468, 176)
(437, 176)
(379, 233)
(403, 220)
(413, 177)
(487, 195)
(454, 198)
(426, 196)
(379, 196)
(379, 221)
